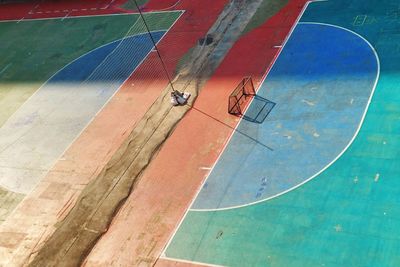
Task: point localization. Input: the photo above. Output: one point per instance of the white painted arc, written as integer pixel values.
(85, 54)
(45, 171)
(89, 122)
(100, 15)
(345, 148)
(163, 254)
(170, 7)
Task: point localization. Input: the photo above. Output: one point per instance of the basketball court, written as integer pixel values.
(317, 187)
(305, 176)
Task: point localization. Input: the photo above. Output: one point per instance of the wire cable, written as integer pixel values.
(155, 46)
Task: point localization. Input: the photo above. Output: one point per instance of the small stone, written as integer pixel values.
(308, 102)
(338, 228)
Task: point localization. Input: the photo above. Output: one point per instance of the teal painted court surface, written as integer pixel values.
(349, 213)
(317, 101)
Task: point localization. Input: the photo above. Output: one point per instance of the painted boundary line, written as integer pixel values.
(31, 12)
(345, 148)
(127, 35)
(170, 7)
(163, 253)
(190, 262)
(99, 15)
(90, 51)
(100, 110)
(95, 115)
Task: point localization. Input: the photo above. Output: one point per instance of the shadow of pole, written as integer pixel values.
(235, 129)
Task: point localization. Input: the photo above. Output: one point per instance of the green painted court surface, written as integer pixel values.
(349, 215)
(32, 51)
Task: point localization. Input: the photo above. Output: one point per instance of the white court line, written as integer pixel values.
(191, 262)
(95, 115)
(163, 254)
(109, 4)
(5, 68)
(170, 7)
(344, 149)
(118, 45)
(99, 15)
(63, 153)
(351, 141)
(65, 66)
(65, 16)
(118, 40)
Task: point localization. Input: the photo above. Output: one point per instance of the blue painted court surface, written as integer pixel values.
(113, 62)
(348, 215)
(321, 83)
(39, 132)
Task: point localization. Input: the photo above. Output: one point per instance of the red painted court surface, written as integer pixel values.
(142, 228)
(51, 200)
(147, 220)
(53, 9)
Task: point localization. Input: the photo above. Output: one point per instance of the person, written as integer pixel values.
(178, 98)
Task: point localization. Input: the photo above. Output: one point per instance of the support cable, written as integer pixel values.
(155, 46)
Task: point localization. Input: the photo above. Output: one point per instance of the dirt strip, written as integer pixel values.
(98, 203)
(143, 226)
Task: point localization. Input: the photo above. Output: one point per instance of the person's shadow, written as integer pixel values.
(259, 109)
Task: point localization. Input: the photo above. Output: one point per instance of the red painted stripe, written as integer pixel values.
(156, 206)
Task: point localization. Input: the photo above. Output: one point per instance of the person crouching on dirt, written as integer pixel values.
(178, 98)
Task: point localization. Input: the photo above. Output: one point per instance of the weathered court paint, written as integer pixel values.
(346, 216)
(29, 55)
(41, 209)
(321, 84)
(40, 131)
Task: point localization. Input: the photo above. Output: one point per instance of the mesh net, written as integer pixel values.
(239, 98)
